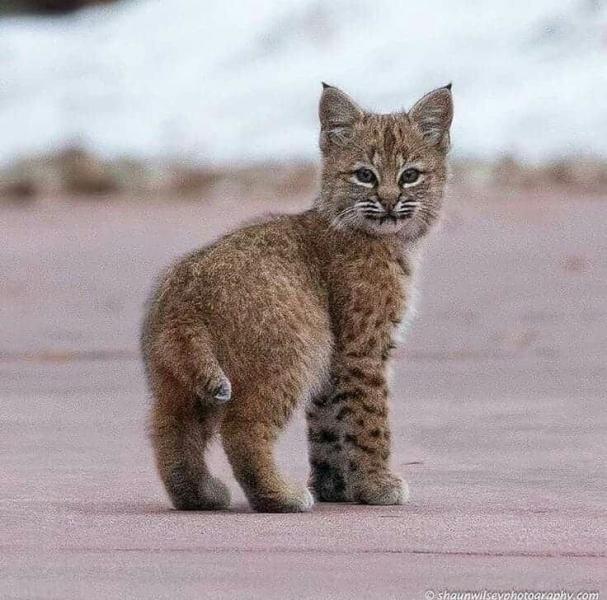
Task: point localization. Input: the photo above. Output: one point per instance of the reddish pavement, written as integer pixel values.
(498, 413)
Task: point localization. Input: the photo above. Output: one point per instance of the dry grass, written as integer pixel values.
(76, 172)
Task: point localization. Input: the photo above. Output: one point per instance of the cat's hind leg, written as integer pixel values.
(249, 431)
(180, 429)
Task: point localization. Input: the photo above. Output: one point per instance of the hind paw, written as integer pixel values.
(214, 494)
(286, 500)
(210, 494)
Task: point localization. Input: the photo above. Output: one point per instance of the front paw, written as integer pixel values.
(383, 489)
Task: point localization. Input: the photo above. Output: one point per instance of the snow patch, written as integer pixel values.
(239, 81)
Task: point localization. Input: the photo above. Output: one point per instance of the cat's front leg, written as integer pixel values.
(327, 456)
(360, 406)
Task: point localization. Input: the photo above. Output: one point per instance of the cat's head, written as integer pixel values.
(384, 173)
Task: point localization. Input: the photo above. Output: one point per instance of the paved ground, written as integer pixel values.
(499, 416)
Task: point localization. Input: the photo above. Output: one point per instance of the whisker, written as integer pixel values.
(341, 219)
(374, 205)
(427, 215)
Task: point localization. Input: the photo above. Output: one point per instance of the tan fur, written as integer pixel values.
(298, 308)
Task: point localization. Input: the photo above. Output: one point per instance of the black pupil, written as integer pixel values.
(409, 175)
(365, 175)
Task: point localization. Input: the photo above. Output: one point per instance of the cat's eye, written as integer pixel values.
(409, 176)
(365, 175)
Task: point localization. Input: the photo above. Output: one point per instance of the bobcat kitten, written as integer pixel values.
(300, 308)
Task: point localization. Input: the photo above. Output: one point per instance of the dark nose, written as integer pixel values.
(388, 196)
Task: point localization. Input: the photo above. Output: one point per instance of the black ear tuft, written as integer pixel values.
(449, 86)
(325, 85)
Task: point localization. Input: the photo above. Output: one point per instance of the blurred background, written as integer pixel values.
(147, 95)
(134, 131)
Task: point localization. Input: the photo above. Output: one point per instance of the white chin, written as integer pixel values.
(385, 227)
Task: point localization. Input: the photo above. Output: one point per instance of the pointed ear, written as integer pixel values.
(433, 115)
(338, 113)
